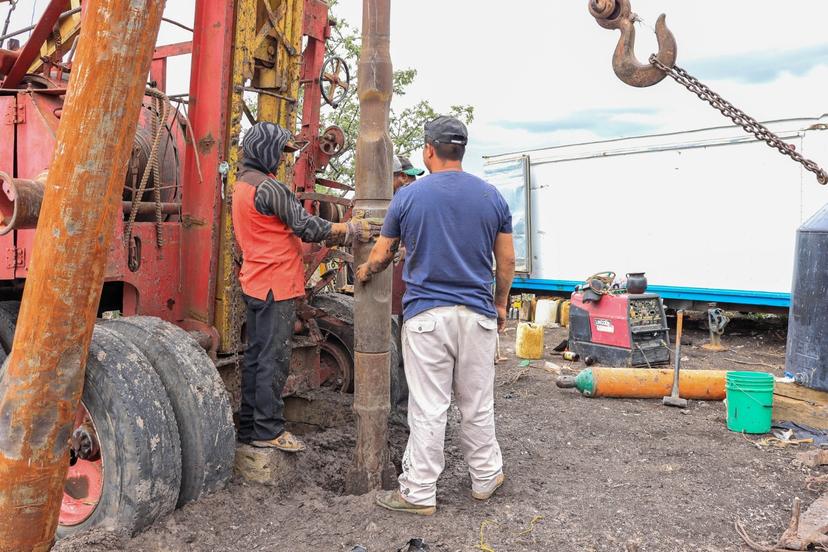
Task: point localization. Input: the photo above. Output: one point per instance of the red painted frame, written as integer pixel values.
(8, 111)
(31, 49)
(177, 281)
(209, 102)
(317, 29)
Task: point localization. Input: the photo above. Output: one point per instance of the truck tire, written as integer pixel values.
(138, 437)
(136, 429)
(198, 397)
(11, 307)
(341, 307)
(8, 321)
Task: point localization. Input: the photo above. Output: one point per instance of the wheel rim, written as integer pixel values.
(334, 360)
(83, 487)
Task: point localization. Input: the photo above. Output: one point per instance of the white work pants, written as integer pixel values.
(445, 349)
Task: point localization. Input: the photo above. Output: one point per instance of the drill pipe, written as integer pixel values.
(40, 392)
(20, 201)
(372, 466)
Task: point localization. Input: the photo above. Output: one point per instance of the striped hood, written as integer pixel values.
(262, 147)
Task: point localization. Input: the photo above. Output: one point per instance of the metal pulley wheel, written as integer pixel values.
(332, 141)
(335, 80)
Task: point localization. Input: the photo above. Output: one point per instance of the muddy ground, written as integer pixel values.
(594, 474)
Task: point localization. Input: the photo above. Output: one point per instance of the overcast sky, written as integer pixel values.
(538, 72)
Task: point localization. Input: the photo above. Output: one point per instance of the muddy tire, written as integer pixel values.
(198, 397)
(10, 307)
(8, 320)
(138, 437)
(341, 307)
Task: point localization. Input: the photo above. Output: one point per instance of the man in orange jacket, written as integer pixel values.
(270, 225)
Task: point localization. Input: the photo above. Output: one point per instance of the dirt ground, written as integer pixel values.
(593, 474)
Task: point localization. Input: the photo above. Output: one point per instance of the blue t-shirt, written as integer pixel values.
(448, 222)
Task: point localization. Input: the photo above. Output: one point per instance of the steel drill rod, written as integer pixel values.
(43, 383)
(372, 466)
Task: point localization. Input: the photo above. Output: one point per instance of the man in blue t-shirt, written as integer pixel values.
(451, 223)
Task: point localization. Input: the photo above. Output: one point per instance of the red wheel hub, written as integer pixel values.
(334, 361)
(84, 481)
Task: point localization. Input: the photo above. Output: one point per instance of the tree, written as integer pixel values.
(405, 124)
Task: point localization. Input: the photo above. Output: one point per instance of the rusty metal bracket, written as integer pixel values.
(15, 114)
(717, 320)
(617, 14)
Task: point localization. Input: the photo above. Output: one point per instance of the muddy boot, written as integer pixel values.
(286, 442)
(393, 500)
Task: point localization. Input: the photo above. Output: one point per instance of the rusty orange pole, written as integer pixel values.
(646, 383)
(372, 466)
(42, 386)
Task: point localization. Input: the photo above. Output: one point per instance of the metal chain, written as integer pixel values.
(751, 125)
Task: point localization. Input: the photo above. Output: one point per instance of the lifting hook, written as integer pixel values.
(617, 14)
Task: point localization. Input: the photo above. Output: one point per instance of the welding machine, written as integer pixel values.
(619, 329)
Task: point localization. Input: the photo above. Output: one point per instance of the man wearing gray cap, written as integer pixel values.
(404, 172)
(450, 223)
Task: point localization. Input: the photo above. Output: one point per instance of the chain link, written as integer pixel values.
(751, 125)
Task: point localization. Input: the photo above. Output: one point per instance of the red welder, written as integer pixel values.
(619, 329)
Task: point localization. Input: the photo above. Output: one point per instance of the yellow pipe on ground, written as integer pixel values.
(646, 383)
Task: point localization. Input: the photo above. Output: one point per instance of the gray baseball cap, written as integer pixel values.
(446, 130)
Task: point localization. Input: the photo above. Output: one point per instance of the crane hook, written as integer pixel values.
(617, 14)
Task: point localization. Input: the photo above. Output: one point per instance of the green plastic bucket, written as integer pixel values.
(749, 401)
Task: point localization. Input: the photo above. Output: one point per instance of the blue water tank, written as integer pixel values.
(807, 351)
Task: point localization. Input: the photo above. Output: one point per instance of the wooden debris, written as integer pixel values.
(812, 458)
(814, 482)
(799, 404)
(804, 530)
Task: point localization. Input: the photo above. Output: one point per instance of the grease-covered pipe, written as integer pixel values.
(372, 466)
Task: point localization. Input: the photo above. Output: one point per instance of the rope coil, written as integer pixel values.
(161, 108)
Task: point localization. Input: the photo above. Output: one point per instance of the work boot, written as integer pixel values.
(486, 496)
(287, 442)
(393, 500)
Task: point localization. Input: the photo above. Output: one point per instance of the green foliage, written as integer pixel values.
(406, 124)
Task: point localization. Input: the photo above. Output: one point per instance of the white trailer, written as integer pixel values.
(711, 215)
